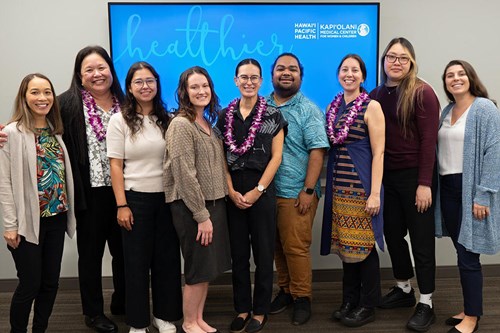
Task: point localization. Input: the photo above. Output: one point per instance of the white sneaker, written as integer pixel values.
(138, 330)
(164, 326)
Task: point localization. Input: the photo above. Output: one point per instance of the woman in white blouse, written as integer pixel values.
(135, 146)
(469, 164)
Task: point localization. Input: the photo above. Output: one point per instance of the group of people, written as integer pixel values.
(224, 184)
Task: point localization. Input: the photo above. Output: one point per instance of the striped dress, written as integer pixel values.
(352, 236)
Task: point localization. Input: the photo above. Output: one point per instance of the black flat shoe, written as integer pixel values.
(453, 321)
(238, 324)
(344, 309)
(455, 330)
(101, 324)
(422, 319)
(358, 317)
(397, 298)
(255, 326)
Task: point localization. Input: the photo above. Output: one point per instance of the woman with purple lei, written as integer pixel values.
(253, 135)
(352, 219)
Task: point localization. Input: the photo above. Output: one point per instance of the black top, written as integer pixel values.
(75, 139)
(258, 156)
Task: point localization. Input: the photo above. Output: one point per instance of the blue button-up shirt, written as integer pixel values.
(306, 131)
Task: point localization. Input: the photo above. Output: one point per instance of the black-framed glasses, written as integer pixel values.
(139, 83)
(392, 59)
(254, 78)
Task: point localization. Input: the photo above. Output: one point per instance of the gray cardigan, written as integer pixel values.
(19, 202)
(480, 178)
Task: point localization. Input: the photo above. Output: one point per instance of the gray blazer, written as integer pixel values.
(19, 202)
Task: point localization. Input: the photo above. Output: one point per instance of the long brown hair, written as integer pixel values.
(182, 96)
(409, 88)
(23, 114)
(476, 88)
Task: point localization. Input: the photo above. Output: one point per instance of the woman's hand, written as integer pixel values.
(423, 198)
(125, 218)
(252, 196)
(480, 212)
(239, 200)
(205, 232)
(373, 204)
(12, 238)
(3, 136)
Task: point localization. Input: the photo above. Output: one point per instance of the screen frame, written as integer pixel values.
(265, 70)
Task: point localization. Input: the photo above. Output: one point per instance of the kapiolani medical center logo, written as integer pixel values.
(311, 31)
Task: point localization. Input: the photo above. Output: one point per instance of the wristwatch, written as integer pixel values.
(308, 190)
(261, 188)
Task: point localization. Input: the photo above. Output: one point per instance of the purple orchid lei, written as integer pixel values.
(338, 137)
(94, 118)
(252, 132)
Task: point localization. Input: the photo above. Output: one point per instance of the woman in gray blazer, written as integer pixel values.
(36, 200)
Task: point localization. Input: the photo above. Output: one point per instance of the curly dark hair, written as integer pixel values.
(130, 106)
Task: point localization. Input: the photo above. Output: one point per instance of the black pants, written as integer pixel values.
(400, 217)
(151, 245)
(38, 268)
(96, 226)
(471, 276)
(361, 281)
(252, 229)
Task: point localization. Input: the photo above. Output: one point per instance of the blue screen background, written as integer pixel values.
(173, 37)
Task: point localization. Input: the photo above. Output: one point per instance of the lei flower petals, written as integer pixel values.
(94, 118)
(337, 137)
(229, 139)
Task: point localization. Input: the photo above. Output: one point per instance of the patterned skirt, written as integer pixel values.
(352, 233)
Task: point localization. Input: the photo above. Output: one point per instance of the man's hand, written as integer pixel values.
(304, 202)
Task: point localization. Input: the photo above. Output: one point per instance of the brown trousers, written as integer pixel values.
(292, 252)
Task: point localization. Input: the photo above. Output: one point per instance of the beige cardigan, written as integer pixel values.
(19, 202)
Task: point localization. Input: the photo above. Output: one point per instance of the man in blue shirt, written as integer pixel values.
(297, 187)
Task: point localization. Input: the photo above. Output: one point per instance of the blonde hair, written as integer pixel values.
(22, 113)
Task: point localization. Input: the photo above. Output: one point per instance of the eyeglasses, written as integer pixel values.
(139, 83)
(392, 59)
(244, 78)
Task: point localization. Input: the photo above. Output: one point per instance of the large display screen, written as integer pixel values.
(175, 36)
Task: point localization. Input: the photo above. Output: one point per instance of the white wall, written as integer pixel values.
(44, 36)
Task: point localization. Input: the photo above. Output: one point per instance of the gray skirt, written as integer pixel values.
(202, 263)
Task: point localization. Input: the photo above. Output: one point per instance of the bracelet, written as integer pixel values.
(122, 206)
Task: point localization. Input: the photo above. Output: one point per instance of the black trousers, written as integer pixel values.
(252, 229)
(361, 281)
(151, 246)
(469, 265)
(38, 268)
(400, 217)
(96, 226)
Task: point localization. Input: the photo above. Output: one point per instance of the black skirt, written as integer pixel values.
(202, 263)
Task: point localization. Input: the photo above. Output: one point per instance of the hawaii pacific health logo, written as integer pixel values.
(363, 29)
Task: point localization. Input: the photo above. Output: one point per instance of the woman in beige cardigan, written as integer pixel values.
(36, 200)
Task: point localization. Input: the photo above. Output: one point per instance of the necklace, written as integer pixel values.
(252, 132)
(94, 117)
(337, 137)
(390, 90)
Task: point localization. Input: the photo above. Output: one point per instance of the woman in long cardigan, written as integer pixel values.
(468, 209)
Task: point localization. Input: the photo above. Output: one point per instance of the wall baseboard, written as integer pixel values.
(323, 275)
